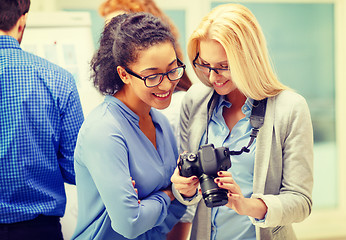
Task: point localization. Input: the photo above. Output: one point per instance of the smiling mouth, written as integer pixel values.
(218, 84)
(162, 95)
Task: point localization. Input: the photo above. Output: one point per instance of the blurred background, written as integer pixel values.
(307, 43)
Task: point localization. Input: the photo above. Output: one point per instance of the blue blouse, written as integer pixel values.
(110, 150)
(226, 223)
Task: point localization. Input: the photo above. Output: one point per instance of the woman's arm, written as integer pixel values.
(106, 158)
(292, 156)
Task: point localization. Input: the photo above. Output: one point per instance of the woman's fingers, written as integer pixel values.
(232, 188)
(136, 190)
(224, 174)
(177, 179)
(186, 186)
(226, 181)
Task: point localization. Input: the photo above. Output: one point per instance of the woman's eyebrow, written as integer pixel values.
(175, 60)
(220, 63)
(153, 68)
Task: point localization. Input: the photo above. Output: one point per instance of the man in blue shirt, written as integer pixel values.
(40, 116)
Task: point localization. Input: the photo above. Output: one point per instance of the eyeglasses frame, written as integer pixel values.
(129, 71)
(216, 70)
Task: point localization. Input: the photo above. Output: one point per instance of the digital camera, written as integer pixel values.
(205, 164)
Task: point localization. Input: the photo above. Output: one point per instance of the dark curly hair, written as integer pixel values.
(120, 43)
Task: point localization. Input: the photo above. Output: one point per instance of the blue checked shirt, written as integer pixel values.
(40, 116)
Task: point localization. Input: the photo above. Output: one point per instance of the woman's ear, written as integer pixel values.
(123, 74)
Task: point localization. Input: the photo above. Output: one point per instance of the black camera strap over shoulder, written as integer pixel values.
(256, 119)
(211, 105)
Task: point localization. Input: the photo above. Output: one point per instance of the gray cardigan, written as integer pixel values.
(283, 170)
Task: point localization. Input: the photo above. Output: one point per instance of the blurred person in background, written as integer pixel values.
(40, 116)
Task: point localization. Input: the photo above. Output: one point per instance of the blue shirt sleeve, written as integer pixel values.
(105, 155)
(71, 121)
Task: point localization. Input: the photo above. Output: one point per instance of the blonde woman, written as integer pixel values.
(268, 186)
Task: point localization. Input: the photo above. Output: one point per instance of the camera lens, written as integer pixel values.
(213, 195)
(216, 200)
(191, 157)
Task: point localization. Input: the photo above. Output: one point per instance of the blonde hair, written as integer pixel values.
(237, 30)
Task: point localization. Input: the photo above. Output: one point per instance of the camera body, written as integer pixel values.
(205, 164)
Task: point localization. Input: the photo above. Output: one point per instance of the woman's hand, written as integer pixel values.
(136, 190)
(255, 208)
(186, 186)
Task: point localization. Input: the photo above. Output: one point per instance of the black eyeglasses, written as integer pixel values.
(155, 79)
(206, 69)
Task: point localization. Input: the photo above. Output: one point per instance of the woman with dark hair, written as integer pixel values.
(110, 8)
(126, 151)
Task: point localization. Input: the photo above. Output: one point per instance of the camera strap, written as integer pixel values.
(256, 120)
(211, 105)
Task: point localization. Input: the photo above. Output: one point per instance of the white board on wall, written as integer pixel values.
(65, 39)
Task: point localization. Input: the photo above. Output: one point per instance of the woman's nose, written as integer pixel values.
(213, 76)
(166, 84)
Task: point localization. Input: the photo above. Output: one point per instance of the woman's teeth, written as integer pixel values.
(218, 84)
(162, 95)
